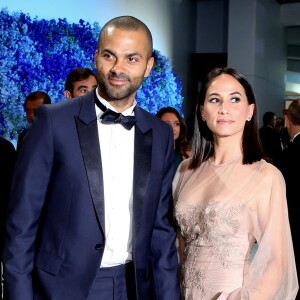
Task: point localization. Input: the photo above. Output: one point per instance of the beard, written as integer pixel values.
(116, 92)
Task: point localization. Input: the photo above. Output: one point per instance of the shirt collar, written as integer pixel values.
(128, 112)
(292, 139)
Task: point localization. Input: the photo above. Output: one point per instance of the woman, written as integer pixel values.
(227, 197)
(181, 145)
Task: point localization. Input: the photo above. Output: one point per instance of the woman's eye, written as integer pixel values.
(235, 100)
(214, 100)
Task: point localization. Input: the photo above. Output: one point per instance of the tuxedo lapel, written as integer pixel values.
(142, 166)
(296, 140)
(87, 129)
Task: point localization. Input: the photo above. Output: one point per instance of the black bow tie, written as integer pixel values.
(111, 117)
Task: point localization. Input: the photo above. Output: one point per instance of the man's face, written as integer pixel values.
(30, 107)
(122, 63)
(82, 87)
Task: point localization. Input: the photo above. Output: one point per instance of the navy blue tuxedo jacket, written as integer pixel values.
(290, 166)
(55, 221)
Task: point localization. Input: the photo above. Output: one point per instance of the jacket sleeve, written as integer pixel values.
(27, 197)
(165, 259)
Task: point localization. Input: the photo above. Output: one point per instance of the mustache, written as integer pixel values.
(120, 76)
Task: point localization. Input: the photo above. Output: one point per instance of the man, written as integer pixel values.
(79, 82)
(270, 138)
(89, 215)
(7, 161)
(32, 102)
(290, 166)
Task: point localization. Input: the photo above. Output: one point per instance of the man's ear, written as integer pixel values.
(68, 94)
(150, 64)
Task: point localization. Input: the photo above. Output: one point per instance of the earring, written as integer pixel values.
(249, 118)
(203, 119)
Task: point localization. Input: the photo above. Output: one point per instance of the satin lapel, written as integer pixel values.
(87, 130)
(142, 167)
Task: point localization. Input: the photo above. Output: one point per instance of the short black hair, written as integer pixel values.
(77, 74)
(294, 112)
(131, 24)
(38, 95)
(268, 117)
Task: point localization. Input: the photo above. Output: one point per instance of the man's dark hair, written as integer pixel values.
(77, 74)
(268, 117)
(128, 23)
(38, 95)
(294, 112)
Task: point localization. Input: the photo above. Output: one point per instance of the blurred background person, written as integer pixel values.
(182, 148)
(285, 137)
(79, 82)
(279, 128)
(270, 138)
(7, 161)
(282, 131)
(290, 166)
(32, 102)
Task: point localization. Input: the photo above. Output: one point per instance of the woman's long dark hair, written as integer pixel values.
(182, 145)
(202, 141)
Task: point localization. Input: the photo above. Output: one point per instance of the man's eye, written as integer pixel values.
(132, 59)
(108, 56)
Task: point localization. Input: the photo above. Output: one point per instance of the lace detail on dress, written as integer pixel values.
(221, 210)
(207, 230)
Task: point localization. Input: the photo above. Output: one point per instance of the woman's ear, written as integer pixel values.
(201, 112)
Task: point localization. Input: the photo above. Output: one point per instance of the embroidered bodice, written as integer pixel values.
(221, 211)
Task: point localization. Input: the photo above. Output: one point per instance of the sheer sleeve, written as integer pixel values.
(177, 185)
(272, 272)
(179, 178)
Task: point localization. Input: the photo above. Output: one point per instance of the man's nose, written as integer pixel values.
(118, 66)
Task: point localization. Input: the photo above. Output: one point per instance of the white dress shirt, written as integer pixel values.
(292, 139)
(117, 153)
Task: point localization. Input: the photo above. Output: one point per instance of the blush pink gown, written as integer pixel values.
(221, 210)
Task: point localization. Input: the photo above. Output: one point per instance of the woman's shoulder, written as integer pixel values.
(181, 170)
(184, 165)
(267, 169)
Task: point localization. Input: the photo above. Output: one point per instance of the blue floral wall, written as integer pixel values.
(38, 54)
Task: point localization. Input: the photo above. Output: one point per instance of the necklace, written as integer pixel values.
(225, 163)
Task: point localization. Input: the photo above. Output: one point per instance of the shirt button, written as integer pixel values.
(98, 246)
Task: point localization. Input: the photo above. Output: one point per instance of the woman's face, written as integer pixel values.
(226, 107)
(174, 122)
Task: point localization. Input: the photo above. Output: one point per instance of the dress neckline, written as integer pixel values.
(225, 163)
